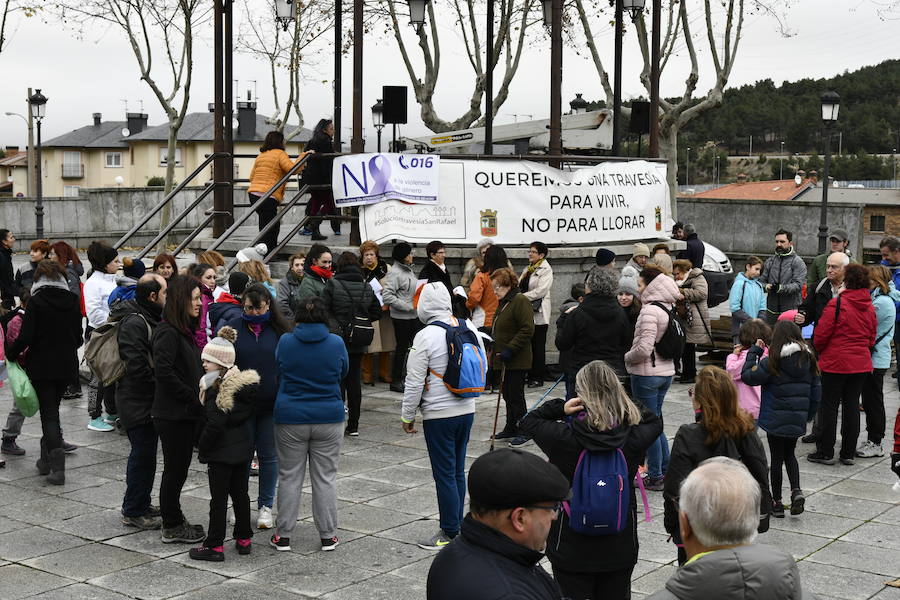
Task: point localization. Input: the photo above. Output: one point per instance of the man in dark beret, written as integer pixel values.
(514, 497)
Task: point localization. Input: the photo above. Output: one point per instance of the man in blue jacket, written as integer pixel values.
(890, 254)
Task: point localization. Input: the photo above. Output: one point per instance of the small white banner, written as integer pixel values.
(359, 179)
(517, 202)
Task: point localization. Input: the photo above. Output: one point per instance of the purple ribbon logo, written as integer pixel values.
(381, 183)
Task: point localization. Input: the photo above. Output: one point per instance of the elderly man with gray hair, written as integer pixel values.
(718, 516)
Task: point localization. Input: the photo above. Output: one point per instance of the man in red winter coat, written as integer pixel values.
(844, 335)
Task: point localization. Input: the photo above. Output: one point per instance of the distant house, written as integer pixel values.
(14, 172)
(96, 155)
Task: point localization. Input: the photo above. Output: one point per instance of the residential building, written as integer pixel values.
(14, 172)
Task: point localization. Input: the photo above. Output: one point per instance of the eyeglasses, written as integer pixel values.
(555, 507)
(255, 309)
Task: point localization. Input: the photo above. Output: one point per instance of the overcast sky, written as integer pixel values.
(98, 73)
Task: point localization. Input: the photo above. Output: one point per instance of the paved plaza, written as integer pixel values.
(67, 542)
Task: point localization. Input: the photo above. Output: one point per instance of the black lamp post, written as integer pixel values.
(417, 13)
(377, 116)
(284, 13)
(831, 103)
(38, 104)
(634, 8)
(552, 10)
(579, 105)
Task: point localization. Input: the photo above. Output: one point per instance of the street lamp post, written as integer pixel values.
(635, 8)
(553, 19)
(687, 166)
(29, 153)
(831, 103)
(781, 161)
(38, 104)
(377, 116)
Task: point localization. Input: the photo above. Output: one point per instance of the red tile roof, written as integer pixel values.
(784, 189)
(18, 159)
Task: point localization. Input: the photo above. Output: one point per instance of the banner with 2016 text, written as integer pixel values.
(517, 202)
(360, 179)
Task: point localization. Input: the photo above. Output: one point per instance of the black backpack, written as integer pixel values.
(671, 344)
(358, 332)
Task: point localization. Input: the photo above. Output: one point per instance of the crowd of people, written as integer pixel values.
(265, 378)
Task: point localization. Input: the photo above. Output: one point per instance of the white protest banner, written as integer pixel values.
(517, 202)
(359, 179)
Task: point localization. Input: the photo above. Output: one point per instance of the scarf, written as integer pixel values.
(526, 278)
(44, 282)
(256, 322)
(210, 379)
(323, 273)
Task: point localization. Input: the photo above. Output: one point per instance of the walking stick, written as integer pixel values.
(547, 393)
(497, 410)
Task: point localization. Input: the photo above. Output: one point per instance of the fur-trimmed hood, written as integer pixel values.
(231, 385)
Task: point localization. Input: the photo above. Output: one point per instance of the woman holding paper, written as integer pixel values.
(378, 358)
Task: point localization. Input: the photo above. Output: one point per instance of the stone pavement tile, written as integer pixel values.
(156, 580)
(412, 532)
(891, 516)
(816, 524)
(108, 495)
(120, 446)
(390, 453)
(10, 493)
(877, 471)
(416, 441)
(379, 554)
(75, 480)
(879, 535)
(403, 475)
(95, 526)
(844, 506)
(643, 567)
(421, 501)
(236, 565)
(798, 545)
(654, 547)
(79, 591)
(17, 581)
(418, 571)
(887, 593)
(813, 482)
(88, 456)
(653, 581)
(867, 490)
(859, 557)
(425, 463)
(34, 541)
(46, 508)
(354, 465)
(10, 525)
(146, 542)
(86, 562)
(371, 519)
(112, 470)
(838, 582)
(310, 575)
(357, 445)
(354, 489)
(383, 587)
(244, 590)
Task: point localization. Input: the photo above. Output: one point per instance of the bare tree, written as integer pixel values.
(509, 41)
(723, 22)
(153, 28)
(284, 51)
(8, 8)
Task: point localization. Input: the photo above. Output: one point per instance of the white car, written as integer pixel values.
(715, 261)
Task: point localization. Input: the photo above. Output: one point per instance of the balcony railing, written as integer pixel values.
(72, 171)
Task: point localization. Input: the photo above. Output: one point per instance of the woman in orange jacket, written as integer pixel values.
(270, 166)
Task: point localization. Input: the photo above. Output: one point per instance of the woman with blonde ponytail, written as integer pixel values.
(600, 418)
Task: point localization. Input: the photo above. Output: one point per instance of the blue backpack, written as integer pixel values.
(601, 498)
(466, 362)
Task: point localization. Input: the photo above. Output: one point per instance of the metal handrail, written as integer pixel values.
(296, 229)
(210, 215)
(146, 218)
(184, 213)
(238, 222)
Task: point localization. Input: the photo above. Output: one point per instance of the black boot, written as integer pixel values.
(316, 234)
(43, 463)
(57, 474)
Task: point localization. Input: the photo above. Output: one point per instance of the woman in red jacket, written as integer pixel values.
(844, 335)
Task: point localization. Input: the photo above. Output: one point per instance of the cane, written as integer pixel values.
(497, 410)
(547, 393)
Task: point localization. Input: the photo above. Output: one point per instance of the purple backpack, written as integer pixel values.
(601, 497)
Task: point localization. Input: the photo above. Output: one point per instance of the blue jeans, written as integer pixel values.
(262, 434)
(650, 390)
(447, 440)
(140, 470)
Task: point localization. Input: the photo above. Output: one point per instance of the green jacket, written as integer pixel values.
(513, 328)
(311, 285)
(816, 272)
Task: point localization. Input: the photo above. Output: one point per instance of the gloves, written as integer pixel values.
(506, 355)
(895, 464)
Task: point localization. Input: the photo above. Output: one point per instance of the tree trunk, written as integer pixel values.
(165, 216)
(668, 149)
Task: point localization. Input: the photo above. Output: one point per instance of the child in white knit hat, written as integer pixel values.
(228, 396)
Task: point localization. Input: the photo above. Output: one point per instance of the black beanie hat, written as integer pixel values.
(605, 257)
(101, 254)
(401, 251)
(237, 283)
(509, 478)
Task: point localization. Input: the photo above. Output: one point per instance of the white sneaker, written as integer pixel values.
(265, 520)
(869, 449)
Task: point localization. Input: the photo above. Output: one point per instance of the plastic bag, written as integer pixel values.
(22, 390)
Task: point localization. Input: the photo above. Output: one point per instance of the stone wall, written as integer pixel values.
(742, 228)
